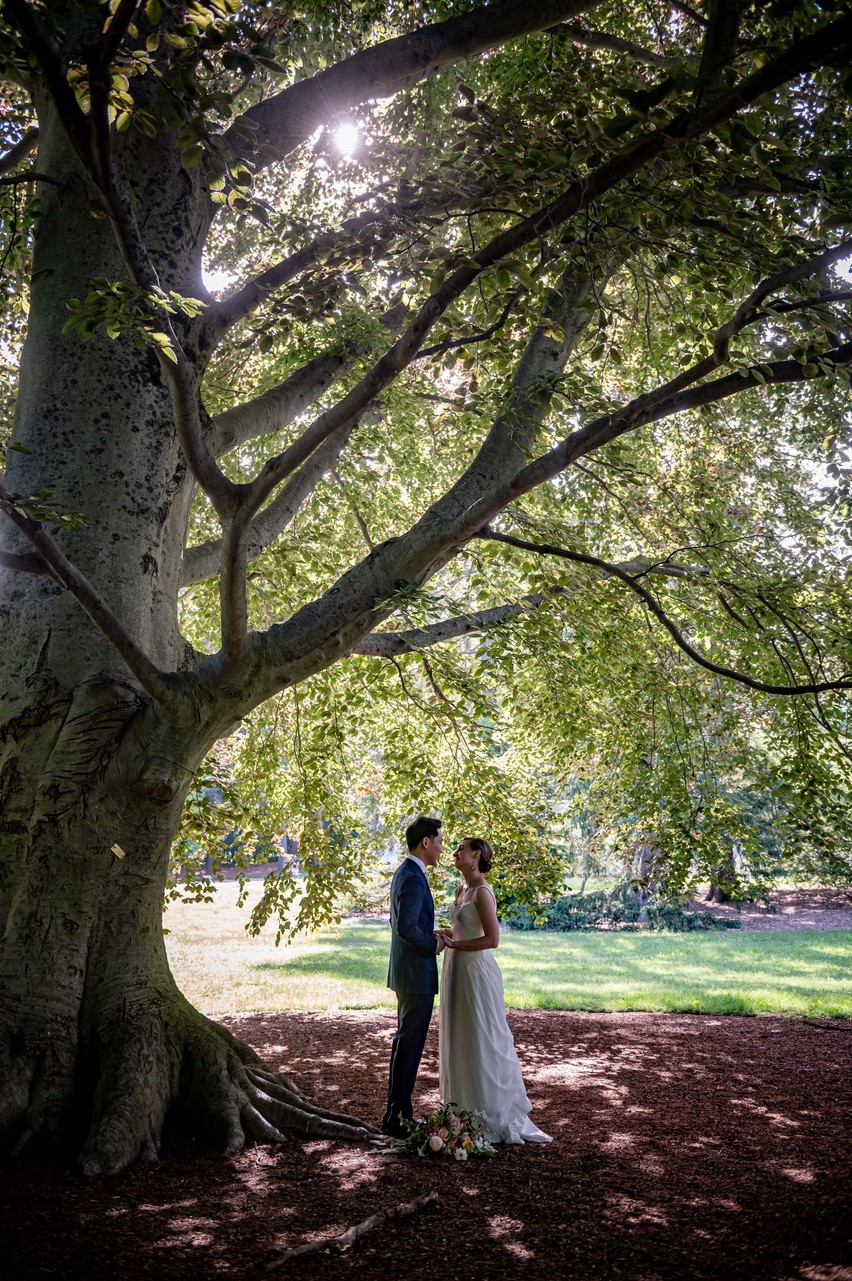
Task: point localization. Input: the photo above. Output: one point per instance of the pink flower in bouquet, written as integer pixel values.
(464, 1138)
(443, 1133)
(435, 1142)
(456, 1125)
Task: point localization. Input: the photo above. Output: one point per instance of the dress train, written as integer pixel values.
(479, 1066)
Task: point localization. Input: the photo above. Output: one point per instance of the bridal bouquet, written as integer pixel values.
(449, 1131)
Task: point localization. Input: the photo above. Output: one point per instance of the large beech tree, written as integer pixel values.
(557, 356)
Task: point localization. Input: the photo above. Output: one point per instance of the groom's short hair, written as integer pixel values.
(421, 828)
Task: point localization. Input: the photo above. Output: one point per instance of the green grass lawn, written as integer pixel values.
(223, 971)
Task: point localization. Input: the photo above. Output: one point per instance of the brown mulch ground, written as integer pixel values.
(686, 1146)
(799, 909)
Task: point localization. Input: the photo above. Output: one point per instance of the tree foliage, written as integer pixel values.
(581, 288)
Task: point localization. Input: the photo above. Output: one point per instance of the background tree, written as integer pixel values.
(555, 360)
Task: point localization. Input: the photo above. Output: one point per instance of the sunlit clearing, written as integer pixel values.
(346, 138)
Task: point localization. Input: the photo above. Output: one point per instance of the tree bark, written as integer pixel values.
(96, 1042)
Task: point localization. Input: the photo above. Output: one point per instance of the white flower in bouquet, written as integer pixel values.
(460, 1154)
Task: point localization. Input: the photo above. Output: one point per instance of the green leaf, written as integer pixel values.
(191, 158)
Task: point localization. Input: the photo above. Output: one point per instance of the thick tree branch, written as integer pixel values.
(180, 376)
(629, 580)
(274, 409)
(225, 314)
(37, 38)
(720, 45)
(26, 564)
(20, 151)
(202, 562)
(603, 40)
(679, 393)
(285, 120)
(656, 406)
(233, 598)
(31, 175)
(66, 575)
(394, 644)
(657, 142)
(115, 29)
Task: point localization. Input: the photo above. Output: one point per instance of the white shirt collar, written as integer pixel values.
(420, 864)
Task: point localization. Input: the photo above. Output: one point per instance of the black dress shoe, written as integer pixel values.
(395, 1131)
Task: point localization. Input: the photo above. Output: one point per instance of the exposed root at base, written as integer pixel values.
(146, 1061)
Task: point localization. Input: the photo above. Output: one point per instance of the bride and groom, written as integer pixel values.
(478, 1064)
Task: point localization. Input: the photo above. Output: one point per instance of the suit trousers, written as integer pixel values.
(414, 1013)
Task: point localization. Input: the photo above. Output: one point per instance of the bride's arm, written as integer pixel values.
(487, 909)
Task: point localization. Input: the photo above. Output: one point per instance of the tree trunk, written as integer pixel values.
(96, 1042)
(722, 880)
(584, 873)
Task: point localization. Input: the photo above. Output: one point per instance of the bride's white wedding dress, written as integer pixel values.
(479, 1067)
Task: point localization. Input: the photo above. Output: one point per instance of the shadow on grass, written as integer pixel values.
(797, 975)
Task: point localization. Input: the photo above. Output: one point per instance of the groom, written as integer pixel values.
(413, 973)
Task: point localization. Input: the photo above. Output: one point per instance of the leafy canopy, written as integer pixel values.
(698, 308)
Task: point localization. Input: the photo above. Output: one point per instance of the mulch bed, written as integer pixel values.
(686, 1146)
(797, 909)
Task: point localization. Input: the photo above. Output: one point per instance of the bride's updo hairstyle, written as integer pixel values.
(485, 852)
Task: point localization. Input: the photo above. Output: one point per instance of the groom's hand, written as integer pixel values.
(439, 949)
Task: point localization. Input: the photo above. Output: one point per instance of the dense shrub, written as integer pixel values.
(616, 909)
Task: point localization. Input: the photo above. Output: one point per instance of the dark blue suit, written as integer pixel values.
(413, 975)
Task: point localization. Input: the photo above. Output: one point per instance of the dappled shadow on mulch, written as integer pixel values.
(685, 1146)
(818, 908)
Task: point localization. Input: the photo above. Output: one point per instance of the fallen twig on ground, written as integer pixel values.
(338, 1244)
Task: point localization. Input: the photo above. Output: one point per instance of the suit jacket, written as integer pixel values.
(413, 969)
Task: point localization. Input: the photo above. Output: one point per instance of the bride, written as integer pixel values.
(478, 1064)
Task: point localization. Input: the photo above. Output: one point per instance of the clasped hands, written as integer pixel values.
(445, 939)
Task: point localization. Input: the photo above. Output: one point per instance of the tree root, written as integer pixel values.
(36, 1071)
(139, 1063)
(338, 1244)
